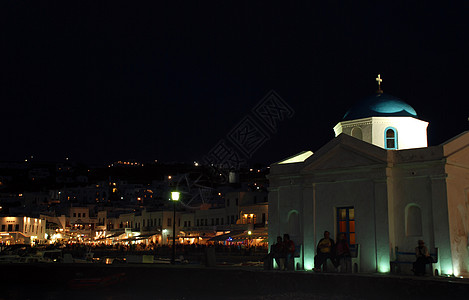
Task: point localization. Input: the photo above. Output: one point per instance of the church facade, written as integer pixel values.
(378, 182)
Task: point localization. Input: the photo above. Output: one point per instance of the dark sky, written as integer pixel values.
(106, 81)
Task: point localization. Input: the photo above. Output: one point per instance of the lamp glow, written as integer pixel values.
(175, 196)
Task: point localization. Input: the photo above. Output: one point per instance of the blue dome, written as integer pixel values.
(380, 105)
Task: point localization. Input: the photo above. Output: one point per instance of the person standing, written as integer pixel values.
(324, 251)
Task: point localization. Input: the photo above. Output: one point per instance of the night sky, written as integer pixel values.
(106, 81)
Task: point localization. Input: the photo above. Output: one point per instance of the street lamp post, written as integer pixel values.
(174, 197)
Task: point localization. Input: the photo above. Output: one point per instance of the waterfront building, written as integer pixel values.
(22, 230)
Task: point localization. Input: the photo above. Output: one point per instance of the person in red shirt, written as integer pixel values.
(290, 251)
(342, 253)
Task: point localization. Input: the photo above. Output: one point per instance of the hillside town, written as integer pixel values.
(128, 204)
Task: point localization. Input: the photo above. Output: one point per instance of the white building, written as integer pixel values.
(379, 183)
(22, 230)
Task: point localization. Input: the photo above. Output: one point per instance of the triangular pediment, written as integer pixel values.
(345, 152)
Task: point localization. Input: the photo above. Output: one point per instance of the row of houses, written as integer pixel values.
(243, 212)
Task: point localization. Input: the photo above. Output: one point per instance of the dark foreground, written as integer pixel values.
(94, 281)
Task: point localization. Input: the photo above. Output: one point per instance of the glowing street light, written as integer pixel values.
(174, 198)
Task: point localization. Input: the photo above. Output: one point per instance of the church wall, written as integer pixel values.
(412, 192)
(458, 211)
(361, 195)
(420, 210)
(285, 202)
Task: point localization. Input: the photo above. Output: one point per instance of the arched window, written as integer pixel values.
(357, 133)
(293, 224)
(413, 220)
(390, 138)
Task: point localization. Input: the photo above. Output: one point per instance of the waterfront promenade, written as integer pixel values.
(194, 281)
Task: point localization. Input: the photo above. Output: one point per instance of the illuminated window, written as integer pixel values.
(390, 138)
(248, 219)
(346, 223)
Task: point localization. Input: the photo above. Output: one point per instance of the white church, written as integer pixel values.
(380, 183)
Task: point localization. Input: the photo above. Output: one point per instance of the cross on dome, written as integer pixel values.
(379, 83)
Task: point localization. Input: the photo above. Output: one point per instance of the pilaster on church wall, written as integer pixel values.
(381, 221)
(390, 189)
(307, 226)
(273, 229)
(441, 223)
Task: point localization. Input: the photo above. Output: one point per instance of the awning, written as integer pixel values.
(253, 236)
(223, 237)
(115, 234)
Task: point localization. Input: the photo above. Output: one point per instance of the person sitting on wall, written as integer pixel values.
(278, 253)
(342, 253)
(423, 258)
(289, 246)
(324, 251)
